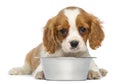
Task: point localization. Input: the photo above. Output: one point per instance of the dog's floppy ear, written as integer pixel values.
(96, 34)
(49, 38)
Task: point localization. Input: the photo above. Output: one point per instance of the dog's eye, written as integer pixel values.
(82, 29)
(63, 31)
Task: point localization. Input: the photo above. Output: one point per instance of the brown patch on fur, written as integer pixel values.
(52, 31)
(62, 23)
(71, 7)
(93, 26)
(96, 35)
(33, 57)
(81, 21)
(49, 37)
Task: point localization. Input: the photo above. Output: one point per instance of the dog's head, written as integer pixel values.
(70, 30)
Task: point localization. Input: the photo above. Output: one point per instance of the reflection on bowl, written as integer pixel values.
(65, 68)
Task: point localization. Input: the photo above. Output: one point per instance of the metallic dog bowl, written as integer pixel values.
(65, 68)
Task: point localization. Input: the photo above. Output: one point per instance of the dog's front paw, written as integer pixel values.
(103, 72)
(40, 75)
(94, 75)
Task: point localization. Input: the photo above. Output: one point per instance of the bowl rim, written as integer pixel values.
(66, 57)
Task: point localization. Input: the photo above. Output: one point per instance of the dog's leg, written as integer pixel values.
(95, 72)
(38, 73)
(31, 62)
(25, 69)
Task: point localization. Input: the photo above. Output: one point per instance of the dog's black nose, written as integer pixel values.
(74, 43)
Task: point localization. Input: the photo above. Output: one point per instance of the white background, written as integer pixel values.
(21, 27)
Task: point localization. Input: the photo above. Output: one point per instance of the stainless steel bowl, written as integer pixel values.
(65, 68)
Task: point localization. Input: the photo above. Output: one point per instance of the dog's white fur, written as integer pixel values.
(73, 32)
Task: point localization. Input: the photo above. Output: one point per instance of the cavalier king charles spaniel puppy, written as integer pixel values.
(66, 34)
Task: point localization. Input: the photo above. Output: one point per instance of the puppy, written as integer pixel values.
(66, 34)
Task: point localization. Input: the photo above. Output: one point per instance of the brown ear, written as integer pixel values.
(96, 35)
(49, 39)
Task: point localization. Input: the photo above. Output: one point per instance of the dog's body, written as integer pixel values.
(66, 35)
